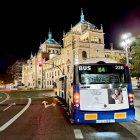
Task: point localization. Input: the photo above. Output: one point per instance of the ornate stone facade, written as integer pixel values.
(52, 62)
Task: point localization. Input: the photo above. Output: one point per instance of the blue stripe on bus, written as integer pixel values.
(76, 88)
(129, 88)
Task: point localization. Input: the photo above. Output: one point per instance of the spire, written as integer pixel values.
(71, 26)
(111, 46)
(63, 33)
(50, 40)
(101, 27)
(41, 44)
(31, 56)
(49, 34)
(82, 16)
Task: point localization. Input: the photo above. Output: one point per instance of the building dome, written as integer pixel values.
(50, 40)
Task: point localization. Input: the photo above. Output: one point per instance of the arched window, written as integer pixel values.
(84, 54)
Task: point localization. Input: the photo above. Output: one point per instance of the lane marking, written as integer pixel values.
(9, 106)
(3, 127)
(45, 103)
(6, 98)
(78, 134)
(52, 104)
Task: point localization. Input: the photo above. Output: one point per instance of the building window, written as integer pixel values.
(63, 71)
(96, 39)
(68, 68)
(47, 82)
(100, 40)
(84, 54)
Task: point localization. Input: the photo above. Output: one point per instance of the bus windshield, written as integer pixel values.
(103, 74)
(101, 78)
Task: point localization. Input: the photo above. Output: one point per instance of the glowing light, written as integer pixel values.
(125, 43)
(126, 36)
(76, 96)
(107, 135)
(77, 105)
(130, 95)
(77, 101)
(126, 65)
(40, 63)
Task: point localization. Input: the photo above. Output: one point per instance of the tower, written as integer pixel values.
(85, 40)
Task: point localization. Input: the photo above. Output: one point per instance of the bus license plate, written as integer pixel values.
(105, 121)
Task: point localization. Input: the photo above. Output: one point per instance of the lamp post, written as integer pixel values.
(126, 41)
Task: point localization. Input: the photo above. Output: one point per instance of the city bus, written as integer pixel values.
(100, 93)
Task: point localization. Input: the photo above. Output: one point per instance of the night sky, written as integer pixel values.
(25, 25)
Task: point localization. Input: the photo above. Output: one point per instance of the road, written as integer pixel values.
(41, 116)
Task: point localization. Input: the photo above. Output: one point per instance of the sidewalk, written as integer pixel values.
(137, 114)
(134, 83)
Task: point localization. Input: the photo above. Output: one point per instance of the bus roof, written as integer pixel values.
(99, 60)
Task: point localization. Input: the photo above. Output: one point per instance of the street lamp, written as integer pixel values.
(126, 42)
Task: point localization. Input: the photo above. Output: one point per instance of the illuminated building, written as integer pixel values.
(53, 62)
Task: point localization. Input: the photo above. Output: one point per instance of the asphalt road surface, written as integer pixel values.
(41, 116)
